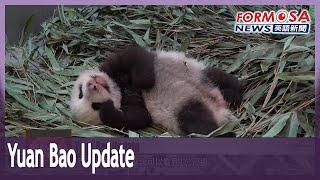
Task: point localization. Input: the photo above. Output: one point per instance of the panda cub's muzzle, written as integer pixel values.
(97, 83)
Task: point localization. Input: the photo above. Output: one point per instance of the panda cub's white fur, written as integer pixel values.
(178, 79)
(90, 84)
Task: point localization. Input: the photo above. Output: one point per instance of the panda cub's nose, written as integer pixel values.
(92, 85)
(96, 82)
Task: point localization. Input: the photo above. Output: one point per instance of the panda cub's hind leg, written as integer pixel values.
(195, 117)
(228, 84)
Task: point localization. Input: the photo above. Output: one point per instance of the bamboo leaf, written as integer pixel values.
(133, 134)
(226, 128)
(297, 76)
(21, 99)
(294, 125)
(281, 121)
(52, 59)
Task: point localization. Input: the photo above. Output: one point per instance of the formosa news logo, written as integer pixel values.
(273, 22)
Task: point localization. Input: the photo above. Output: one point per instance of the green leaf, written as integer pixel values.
(146, 37)
(62, 16)
(226, 128)
(297, 76)
(40, 116)
(141, 21)
(281, 121)
(288, 42)
(294, 125)
(22, 100)
(25, 29)
(258, 94)
(133, 134)
(18, 81)
(18, 87)
(54, 64)
(295, 48)
(138, 39)
(249, 107)
(65, 48)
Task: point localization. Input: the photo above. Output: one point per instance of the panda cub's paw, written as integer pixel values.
(111, 116)
(107, 106)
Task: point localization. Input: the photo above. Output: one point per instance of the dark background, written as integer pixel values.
(17, 15)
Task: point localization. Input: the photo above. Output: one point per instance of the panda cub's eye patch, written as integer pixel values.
(80, 94)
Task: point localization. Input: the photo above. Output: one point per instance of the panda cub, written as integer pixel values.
(180, 93)
(97, 99)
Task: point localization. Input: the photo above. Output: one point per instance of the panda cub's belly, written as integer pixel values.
(173, 89)
(164, 101)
